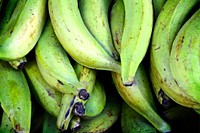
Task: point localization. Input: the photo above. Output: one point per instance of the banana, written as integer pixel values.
(68, 104)
(54, 64)
(75, 123)
(6, 125)
(23, 30)
(139, 97)
(133, 122)
(6, 12)
(138, 25)
(49, 124)
(102, 122)
(18, 64)
(96, 102)
(15, 97)
(117, 15)
(163, 99)
(48, 97)
(185, 57)
(157, 7)
(95, 17)
(168, 23)
(76, 38)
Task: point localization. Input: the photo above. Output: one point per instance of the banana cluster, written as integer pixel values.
(89, 63)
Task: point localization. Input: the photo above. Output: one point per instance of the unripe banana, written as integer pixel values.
(185, 57)
(157, 7)
(49, 124)
(76, 38)
(6, 125)
(48, 97)
(117, 15)
(138, 25)
(102, 122)
(15, 97)
(168, 23)
(54, 64)
(18, 64)
(23, 30)
(139, 97)
(133, 122)
(75, 123)
(96, 102)
(95, 17)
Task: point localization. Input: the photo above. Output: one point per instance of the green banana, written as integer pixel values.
(162, 98)
(76, 38)
(23, 29)
(48, 97)
(157, 7)
(168, 23)
(117, 15)
(54, 64)
(105, 119)
(18, 64)
(6, 12)
(133, 122)
(96, 102)
(15, 97)
(6, 125)
(75, 123)
(138, 25)
(185, 57)
(140, 98)
(95, 17)
(49, 124)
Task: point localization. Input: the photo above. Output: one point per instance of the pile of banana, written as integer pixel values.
(82, 65)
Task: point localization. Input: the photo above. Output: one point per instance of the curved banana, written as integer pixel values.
(185, 57)
(168, 23)
(96, 102)
(157, 7)
(138, 25)
(18, 64)
(95, 17)
(105, 119)
(140, 98)
(76, 38)
(48, 97)
(6, 125)
(133, 122)
(23, 30)
(117, 15)
(75, 123)
(162, 98)
(15, 97)
(54, 64)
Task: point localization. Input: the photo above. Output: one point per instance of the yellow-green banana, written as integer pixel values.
(138, 25)
(185, 57)
(54, 64)
(133, 122)
(76, 38)
(96, 102)
(18, 64)
(48, 97)
(6, 125)
(168, 23)
(102, 122)
(23, 29)
(117, 15)
(95, 15)
(75, 123)
(15, 97)
(140, 98)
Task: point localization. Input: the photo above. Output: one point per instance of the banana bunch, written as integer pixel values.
(86, 64)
